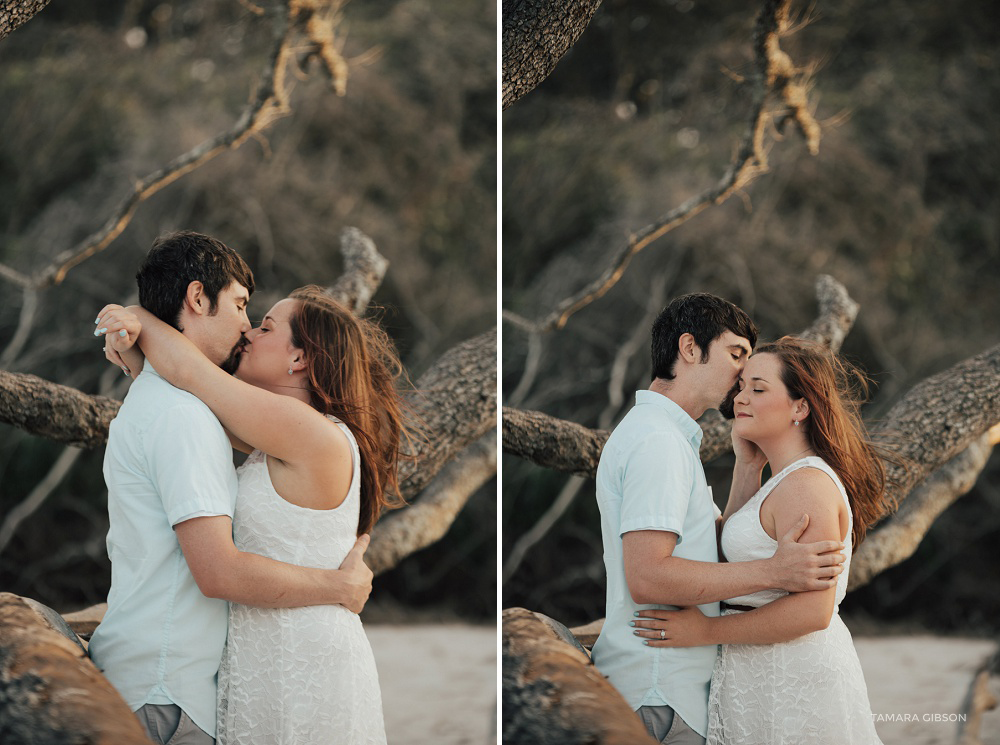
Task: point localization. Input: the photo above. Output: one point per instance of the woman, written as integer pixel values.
(314, 403)
(787, 671)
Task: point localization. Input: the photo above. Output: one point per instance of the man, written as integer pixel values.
(659, 522)
(171, 495)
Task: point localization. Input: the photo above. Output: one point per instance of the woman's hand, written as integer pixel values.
(120, 328)
(687, 627)
(747, 453)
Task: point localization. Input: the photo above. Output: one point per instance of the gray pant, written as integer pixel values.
(668, 728)
(169, 725)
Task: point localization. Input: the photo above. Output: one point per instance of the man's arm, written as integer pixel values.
(784, 619)
(222, 571)
(656, 577)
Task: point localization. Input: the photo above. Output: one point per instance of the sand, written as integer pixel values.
(439, 684)
(916, 685)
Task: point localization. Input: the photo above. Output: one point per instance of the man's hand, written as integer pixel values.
(803, 567)
(357, 576)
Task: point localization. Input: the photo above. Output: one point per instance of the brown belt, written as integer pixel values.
(729, 606)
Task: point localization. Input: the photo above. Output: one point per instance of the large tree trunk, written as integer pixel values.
(536, 34)
(553, 694)
(50, 691)
(14, 13)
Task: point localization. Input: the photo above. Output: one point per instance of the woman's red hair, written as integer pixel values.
(352, 371)
(834, 390)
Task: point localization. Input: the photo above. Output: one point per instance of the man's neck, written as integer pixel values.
(681, 395)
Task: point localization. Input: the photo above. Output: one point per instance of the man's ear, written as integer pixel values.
(195, 298)
(687, 349)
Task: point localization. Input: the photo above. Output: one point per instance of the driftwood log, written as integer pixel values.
(50, 691)
(553, 694)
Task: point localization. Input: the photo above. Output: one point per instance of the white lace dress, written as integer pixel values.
(292, 676)
(806, 691)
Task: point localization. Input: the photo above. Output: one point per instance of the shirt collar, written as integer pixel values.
(688, 426)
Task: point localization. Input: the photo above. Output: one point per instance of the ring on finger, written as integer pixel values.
(663, 634)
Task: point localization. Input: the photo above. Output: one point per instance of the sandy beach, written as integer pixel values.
(916, 685)
(439, 684)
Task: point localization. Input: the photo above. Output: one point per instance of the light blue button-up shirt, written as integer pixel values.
(650, 477)
(168, 460)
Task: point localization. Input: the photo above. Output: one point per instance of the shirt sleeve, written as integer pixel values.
(657, 483)
(191, 463)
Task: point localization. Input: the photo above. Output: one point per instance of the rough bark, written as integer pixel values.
(55, 411)
(551, 442)
(14, 13)
(939, 418)
(455, 404)
(899, 537)
(536, 35)
(364, 269)
(399, 534)
(553, 694)
(50, 691)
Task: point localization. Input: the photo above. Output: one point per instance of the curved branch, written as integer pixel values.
(401, 533)
(455, 403)
(536, 35)
(775, 75)
(899, 537)
(364, 269)
(269, 103)
(940, 417)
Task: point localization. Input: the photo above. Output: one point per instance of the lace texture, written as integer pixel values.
(293, 676)
(808, 690)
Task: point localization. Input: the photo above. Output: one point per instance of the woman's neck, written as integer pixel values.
(784, 451)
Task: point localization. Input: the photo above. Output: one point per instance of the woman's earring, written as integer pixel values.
(290, 372)
(796, 422)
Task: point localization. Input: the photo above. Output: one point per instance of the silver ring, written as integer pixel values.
(663, 634)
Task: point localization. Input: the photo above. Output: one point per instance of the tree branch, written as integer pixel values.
(572, 448)
(269, 103)
(401, 533)
(364, 269)
(899, 537)
(536, 35)
(14, 13)
(775, 75)
(455, 403)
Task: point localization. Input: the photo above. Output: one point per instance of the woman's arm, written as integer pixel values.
(120, 329)
(787, 618)
(281, 426)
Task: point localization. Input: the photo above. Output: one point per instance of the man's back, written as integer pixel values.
(167, 460)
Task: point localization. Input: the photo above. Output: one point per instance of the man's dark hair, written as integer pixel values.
(706, 317)
(178, 259)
